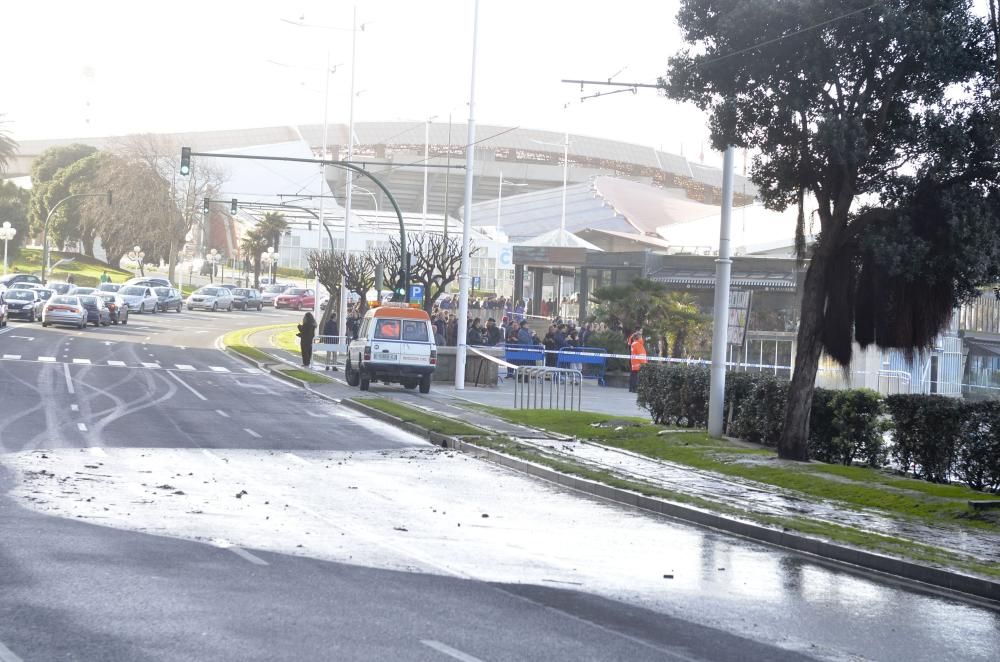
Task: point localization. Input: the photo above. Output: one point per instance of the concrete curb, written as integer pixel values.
(850, 557)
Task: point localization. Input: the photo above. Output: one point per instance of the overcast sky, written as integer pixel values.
(98, 68)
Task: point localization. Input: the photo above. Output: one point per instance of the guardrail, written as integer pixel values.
(539, 387)
(332, 346)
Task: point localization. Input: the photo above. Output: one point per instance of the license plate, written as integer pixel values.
(385, 357)
(413, 358)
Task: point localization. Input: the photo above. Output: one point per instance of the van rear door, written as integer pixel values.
(416, 342)
(386, 343)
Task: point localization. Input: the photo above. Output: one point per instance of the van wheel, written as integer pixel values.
(410, 384)
(425, 383)
(365, 382)
(352, 376)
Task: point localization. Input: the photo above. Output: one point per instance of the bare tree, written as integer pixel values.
(435, 262)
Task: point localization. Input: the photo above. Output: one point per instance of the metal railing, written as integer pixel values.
(539, 387)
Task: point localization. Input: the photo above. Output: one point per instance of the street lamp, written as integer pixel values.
(137, 255)
(269, 258)
(6, 233)
(214, 257)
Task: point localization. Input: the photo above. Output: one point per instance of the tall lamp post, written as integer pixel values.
(7, 232)
(213, 257)
(269, 258)
(137, 255)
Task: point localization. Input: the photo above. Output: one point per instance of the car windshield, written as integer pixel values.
(89, 301)
(387, 329)
(44, 294)
(209, 291)
(134, 291)
(415, 330)
(20, 295)
(241, 293)
(108, 297)
(162, 291)
(274, 289)
(68, 301)
(296, 291)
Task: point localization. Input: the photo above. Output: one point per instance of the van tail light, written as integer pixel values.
(368, 353)
(434, 357)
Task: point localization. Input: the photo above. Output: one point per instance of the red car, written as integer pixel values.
(296, 298)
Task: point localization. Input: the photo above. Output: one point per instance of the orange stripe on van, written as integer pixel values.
(401, 313)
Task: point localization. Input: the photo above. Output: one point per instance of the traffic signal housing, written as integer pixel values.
(233, 207)
(185, 161)
(204, 206)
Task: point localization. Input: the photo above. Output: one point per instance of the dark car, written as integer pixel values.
(247, 299)
(59, 287)
(24, 304)
(11, 279)
(97, 313)
(116, 307)
(3, 311)
(169, 299)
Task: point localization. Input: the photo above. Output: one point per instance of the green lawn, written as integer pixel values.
(239, 341)
(307, 376)
(440, 424)
(286, 339)
(85, 270)
(855, 487)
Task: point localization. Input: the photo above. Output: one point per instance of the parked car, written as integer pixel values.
(211, 298)
(116, 306)
(269, 293)
(81, 291)
(45, 293)
(11, 279)
(169, 298)
(24, 304)
(247, 299)
(3, 311)
(140, 298)
(97, 313)
(229, 286)
(295, 298)
(109, 287)
(59, 287)
(149, 281)
(63, 309)
(395, 344)
(23, 285)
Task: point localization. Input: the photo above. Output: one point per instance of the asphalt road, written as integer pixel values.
(73, 590)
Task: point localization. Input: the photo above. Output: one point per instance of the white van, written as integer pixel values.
(395, 344)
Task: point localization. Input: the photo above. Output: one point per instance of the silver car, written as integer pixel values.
(270, 292)
(64, 310)
(139, 298)
(211, 298)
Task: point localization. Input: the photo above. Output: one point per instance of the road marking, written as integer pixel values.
(251, 433)
(98, 451)
(221, 413)
(74, 407)
(81, 361)
(249, 371)
(47, 359)
(7, 330)
(119, 364)
(216, 368)
(296, 458)
(12, 357)
(69, 379)
(184, 366)
(144, 364)
(186, 385)
(81, 427)
(314, 414)
(449, 651)
(6, 655)
(244, 554)
(23, 337)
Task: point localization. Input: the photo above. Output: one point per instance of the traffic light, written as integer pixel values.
(204, 206)
(185, 160)
(232, 207)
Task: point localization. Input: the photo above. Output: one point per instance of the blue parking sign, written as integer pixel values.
(476, 282)
(416, 292)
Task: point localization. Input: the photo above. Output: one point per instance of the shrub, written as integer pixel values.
(925, 434)
(824, 444)
(760, 415)
(857, 418)
(738, 388)
(675, 394)
(977, 460)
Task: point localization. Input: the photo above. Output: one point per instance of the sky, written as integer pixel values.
(77, 69)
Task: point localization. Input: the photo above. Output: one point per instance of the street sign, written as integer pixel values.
(476, 281)
(739, 316)
(416, 293)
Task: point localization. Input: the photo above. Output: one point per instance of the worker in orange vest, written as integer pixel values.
(637, 348)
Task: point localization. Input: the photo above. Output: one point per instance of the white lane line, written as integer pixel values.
(98, 451)
(47, 359)
(221, 413)
(6, 655)
(81, 361)
(249, 371)
(247, 556)
(184, 366)
(296, 458)
(6, 330)
(145, 364)
(315, 414)
(74, 407)
(449, 651)
(119, 364)
(69, 379)
(12, 357)
(186, 385)
(216, 368)
(251, 433)
(82, 427)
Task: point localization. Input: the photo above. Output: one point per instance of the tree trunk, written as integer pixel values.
(172, 260)
(679, 339)
(793, 444)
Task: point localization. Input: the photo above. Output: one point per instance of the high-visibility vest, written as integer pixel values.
(637, 348)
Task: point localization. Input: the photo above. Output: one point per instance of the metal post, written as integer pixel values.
(720, 320)
(463, 279)
(427, 147)
(342, 325)
(322, 182)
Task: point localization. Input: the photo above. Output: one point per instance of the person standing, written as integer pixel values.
(307, 331)
(105, 278)
(637, 348)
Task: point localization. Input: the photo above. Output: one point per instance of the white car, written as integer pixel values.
(140, 299)
(269, 293)
(149, 281)
(211, 298)
(395, 344)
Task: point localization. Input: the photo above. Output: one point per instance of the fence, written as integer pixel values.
(537, 387)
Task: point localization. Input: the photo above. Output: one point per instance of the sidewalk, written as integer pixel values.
(743, 500)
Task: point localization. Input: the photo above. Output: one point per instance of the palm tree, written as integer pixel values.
(272, 227)
(8, 148)
(252, 245)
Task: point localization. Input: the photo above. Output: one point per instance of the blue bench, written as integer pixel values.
(523, 354)
(584, 356)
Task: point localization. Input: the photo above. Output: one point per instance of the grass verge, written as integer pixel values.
(855, 487)
(439, 424)
(239, 341)
(83, 268)
(307, 376)
(286, 339)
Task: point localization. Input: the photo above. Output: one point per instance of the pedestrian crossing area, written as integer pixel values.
(141, 365)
